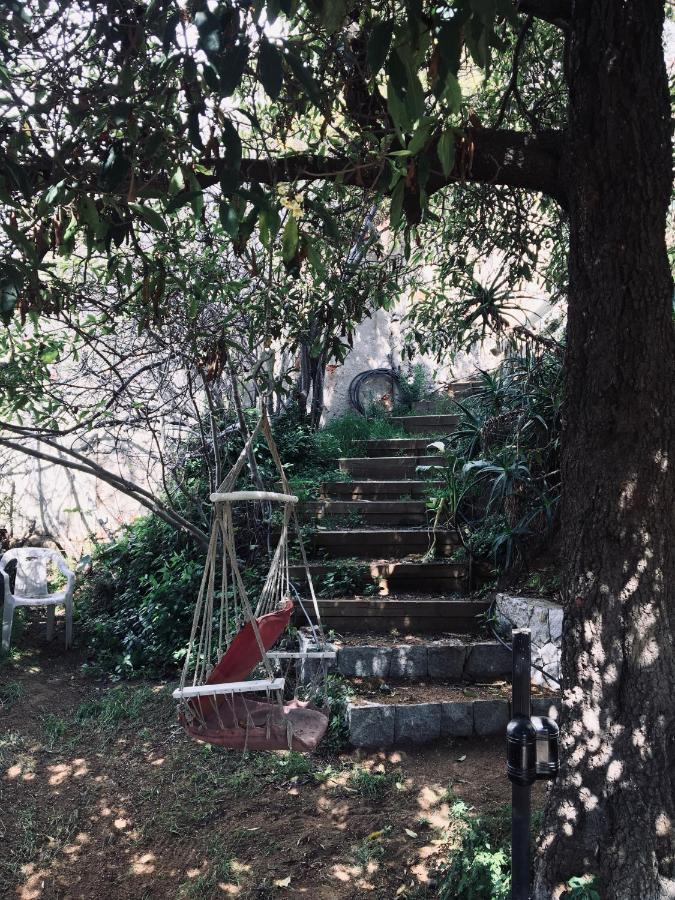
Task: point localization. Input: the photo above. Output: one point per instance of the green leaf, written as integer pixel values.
(228, 218)
(445, 150)
(379, 44)
(49, 356)
(232, 145)
(421, 136)
(451, 92)
(305, 77)
(149, 216)
(232, 68)
(197, 201)
(270, 69)
(333, 14)
(177, 182)
(272, 9)
(289, 240)
(115, 168)
(269, 222)
(396, 203)
(89, 213)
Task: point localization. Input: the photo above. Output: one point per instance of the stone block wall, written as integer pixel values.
(545, 620)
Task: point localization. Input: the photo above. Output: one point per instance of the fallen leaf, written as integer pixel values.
(410, 833)
(374, 835)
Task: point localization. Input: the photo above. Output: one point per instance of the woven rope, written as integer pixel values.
(200, 658)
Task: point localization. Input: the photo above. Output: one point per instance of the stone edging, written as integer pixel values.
(438, 659)
(386, 725)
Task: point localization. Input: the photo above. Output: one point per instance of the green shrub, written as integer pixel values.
(479, 868)
(502, 484)
(134, 611)
(135, 608)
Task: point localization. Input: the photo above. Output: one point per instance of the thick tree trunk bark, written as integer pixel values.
(612, 811)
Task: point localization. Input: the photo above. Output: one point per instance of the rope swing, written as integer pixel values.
(218, 701)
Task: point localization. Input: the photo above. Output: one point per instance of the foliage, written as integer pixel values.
(371, 785)
(479, 867)
(582, 887)
(174, 116)
(502, 482)
(336, 692)
(134, 611)
(135, 607)
(410, 390)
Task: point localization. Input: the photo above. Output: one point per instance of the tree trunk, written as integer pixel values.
(612, 811)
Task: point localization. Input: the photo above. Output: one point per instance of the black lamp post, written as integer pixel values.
(531, 754)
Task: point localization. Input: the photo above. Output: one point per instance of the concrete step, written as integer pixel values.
(407, 616)
(387, 467)
(388, 576)
(394, 446)
(386, 542)
(377, 490)
(432, 423)
(370, 512)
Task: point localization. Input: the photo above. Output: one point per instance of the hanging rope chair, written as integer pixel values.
(218, 701)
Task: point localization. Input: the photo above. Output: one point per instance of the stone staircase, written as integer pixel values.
(410, 639)
(379, 525)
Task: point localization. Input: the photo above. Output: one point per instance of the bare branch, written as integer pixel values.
(121, 484)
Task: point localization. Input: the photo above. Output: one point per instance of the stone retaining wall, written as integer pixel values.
(450, 660)
(386, 725)
(545, 620)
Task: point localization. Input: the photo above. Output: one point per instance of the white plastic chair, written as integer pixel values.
(31, 589)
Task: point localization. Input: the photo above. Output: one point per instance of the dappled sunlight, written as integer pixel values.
(124, 808)
(60, 772)
(143, 864)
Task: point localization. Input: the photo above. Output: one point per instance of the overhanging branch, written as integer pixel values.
(557, 12)
(119, 483)
(482, 155)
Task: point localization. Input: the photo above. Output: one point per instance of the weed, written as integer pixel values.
(10, 693)
(336, 692)
(118, 705)
(479, 866)
(206, 884)
(370, 849)
(371, 785)
(55, 728)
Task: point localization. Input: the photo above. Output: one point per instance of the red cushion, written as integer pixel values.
(243, 654)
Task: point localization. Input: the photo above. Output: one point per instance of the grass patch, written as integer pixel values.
(219, 869)
(371, 785)
(9, 694)
(369, 850)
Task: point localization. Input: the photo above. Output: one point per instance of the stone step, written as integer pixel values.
(387, 542)
(374, 724)
(453, 659)
(378, 490)
(382, 615)
(394, 446)
(387, 467)
(370, 512)
(431, 423)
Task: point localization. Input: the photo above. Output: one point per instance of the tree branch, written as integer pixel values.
(557, 12)
(482, 155)
(121, 484)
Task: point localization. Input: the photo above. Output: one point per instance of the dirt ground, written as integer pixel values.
(103, 796)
